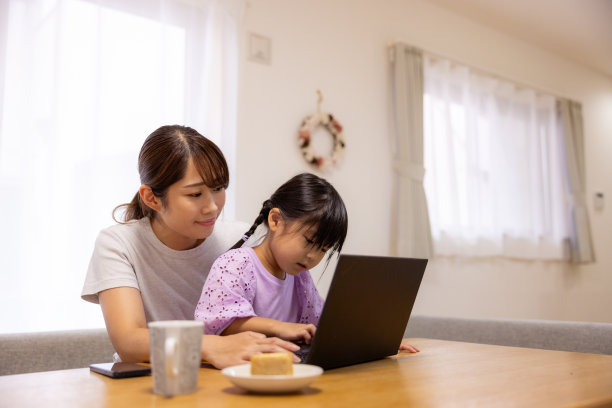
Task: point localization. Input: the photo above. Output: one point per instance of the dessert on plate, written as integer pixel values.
(272, 364)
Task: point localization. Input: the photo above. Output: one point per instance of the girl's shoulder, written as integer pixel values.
(304, 279)
(236, 258)
(236, 265)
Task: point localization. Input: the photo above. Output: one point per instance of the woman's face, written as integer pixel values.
(190, 212)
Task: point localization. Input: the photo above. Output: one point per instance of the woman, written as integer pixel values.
(153, 265)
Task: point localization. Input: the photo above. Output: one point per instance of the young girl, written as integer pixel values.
(268, 289)
(152, 266)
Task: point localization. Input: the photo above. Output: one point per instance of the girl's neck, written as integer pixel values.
(267, 259)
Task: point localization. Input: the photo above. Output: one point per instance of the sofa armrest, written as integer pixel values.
(57, 350)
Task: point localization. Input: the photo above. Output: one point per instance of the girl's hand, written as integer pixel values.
(294, 331)
(404, 346)
(272, 327)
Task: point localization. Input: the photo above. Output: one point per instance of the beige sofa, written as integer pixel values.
(584, 337)
(58, 350)
(46, 351)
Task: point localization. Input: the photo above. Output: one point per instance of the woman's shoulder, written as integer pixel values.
(224, 236)
(224, 228)
(128, 231)
(134, 239)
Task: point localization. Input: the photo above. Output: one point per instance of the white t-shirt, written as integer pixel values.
(170, 282)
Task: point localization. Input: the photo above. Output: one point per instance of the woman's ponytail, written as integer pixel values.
(134, 210)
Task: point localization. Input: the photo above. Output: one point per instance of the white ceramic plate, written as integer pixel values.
(303, 374)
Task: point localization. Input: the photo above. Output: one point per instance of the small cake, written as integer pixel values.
(272, 364)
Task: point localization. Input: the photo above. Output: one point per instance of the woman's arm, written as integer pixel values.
(126, 323)
(271, 327)
(127, 328)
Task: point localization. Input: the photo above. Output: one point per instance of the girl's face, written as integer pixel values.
(190, 212)
(293, 248)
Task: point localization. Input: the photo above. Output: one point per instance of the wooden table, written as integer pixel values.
(443, 374)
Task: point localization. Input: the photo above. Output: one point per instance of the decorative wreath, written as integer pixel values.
(309, 124)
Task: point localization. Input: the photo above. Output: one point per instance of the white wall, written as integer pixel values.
(339, 47)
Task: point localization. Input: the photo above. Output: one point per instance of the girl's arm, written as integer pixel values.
(127, 328)
(271, 327)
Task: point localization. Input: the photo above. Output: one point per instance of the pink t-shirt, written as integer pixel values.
(238, 285)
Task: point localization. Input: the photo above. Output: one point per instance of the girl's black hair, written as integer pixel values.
(313, 201)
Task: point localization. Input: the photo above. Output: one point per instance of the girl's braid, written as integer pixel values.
(262, 217)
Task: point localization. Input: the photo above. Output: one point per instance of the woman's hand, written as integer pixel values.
(225, 351)
(404, 346)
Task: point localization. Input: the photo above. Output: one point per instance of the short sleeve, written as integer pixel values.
(109, 267)
(311, 303)
(228, 292)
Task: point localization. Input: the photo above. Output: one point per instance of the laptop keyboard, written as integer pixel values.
(302, 353)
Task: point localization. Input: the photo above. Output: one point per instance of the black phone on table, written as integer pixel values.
(120, 370)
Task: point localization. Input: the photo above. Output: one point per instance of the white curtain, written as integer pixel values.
(496, 177)
(82, 83)
(411, 235)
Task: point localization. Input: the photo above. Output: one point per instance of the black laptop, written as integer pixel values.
(366, 311)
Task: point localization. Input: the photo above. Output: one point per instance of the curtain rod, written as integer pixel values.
(483, 71)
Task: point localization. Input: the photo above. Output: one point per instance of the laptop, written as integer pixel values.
(366, 311)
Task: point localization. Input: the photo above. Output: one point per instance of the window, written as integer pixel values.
(82, 83)
(495, 175)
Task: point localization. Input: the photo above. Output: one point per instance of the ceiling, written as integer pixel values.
(579, 30)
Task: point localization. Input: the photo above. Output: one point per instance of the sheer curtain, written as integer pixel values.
(496, 179)
(82, 84)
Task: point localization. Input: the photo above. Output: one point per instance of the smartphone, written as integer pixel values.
(120, 370)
